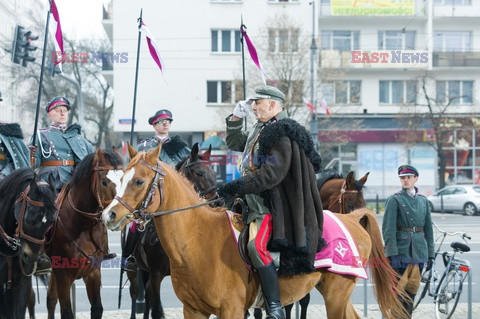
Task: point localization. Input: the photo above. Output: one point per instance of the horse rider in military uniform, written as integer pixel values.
(13, 152)
(174, 149)
(408, 233)
(278, 180)
(59, 149)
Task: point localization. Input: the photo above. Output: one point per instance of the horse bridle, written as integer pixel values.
(340, 199)
(158, 181)
(14, 242)
(187, 164)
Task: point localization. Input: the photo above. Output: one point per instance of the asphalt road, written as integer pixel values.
(110, 274)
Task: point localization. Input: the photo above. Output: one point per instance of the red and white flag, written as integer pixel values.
(310, 106)
(56, 30)
(324, 108)
(152, 45)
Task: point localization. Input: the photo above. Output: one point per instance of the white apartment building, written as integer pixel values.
(201, 52)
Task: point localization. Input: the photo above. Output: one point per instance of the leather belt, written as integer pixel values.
(414, 229)
(59, 163)
(2, 157)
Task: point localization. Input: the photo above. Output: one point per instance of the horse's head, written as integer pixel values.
(34, 213)
(197, 170)
(108, 168)
(343, 195)
(136, 189)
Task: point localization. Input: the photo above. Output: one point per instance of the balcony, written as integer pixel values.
(365, 9)
(374, 59)
(456, 59)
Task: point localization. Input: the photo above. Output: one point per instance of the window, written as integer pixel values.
(447, 41)
(340, 40)
(283, 40)
(225, 41)
(452, 2)
(342, 92)
(398, 92)
(455, 92)
(224, 92)
(396, 40)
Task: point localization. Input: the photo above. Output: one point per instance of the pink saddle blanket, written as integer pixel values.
(339, 256)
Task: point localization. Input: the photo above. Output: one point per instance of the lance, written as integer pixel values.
(243, 65)
(136, 77)
(33, 147)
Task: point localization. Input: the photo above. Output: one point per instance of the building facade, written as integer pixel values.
(379, 68)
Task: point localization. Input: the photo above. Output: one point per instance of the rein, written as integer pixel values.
(340, 199)
(14, 242)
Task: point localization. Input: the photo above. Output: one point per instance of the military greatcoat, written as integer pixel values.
(58, 152)
(403, 211)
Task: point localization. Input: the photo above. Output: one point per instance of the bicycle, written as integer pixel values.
(446, 291)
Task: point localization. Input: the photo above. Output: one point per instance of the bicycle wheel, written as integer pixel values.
(424, 286)
(448, 293)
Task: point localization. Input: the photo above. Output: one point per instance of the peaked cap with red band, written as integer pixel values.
(58, 101)
(407, 170)
(160, 115)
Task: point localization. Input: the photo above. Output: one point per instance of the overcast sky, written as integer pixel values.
(81, 19)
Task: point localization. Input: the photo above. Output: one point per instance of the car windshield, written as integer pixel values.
(476, 188)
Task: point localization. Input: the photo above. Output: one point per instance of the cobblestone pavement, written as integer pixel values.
(314, 312)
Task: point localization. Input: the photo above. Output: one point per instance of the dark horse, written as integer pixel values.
(151, 258)
(27, 209)
(77, 242)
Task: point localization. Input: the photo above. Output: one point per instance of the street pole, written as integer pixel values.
(313, 55)
(242, 26)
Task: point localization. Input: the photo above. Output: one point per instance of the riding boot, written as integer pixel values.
(271, 291)
(44, 264)
(408, 305)
(108, 255)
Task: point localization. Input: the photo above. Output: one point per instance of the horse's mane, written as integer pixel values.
(84, 168)
(332, 174)
(189, 186)
(11, 186)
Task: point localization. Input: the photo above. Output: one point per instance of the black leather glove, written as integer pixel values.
(430, 262)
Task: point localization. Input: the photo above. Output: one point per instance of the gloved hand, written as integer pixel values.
(431, 260)
(242, 108)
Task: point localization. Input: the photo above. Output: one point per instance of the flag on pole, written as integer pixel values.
(253, 54)
(152, 46)
(56, 30)
(309, 105)
(324, 108)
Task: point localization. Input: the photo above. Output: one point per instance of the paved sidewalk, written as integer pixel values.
(314, 312)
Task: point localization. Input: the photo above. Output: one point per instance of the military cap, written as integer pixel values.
(160, 115)
(268, 92)
(407, 170)
(58, 101)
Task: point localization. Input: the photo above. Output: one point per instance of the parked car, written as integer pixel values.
(464, 198)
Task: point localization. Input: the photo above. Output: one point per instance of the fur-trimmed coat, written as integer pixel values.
(15, 152)
(288, 185)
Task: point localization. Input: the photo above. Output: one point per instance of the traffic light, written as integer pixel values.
(22, 46)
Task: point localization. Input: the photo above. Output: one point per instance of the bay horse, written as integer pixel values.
(151, 258)
(27, 209)
(339, 195)
(207, 271)
(76, 243)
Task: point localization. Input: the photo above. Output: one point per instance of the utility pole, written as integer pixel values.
(313, 56)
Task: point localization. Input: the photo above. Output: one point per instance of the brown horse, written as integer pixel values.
(77, 242)
(207, 272)
(150, 256)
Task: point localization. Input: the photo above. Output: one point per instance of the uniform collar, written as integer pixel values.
(60, 127)
(162, 140)
(280, 116)
(409, 193)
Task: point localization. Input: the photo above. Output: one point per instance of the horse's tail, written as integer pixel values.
(384, 277)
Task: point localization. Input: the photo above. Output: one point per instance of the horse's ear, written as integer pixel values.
(206, 155)
(99, 155)
(350, 180)
(153, 156)
(131, 151)
(194, 153)
(116, 150)
(363, 180)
